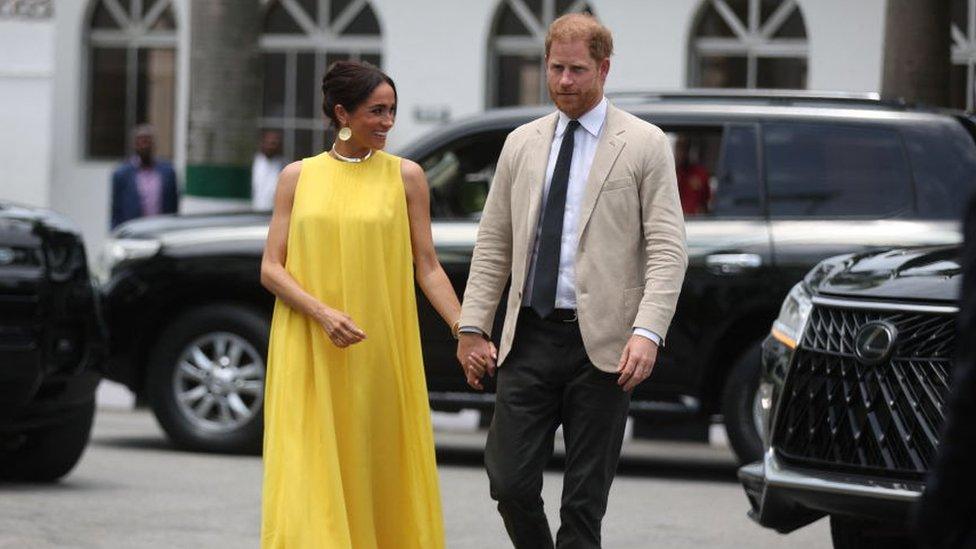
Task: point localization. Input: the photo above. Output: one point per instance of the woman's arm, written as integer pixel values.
(429, 274)
(338, 326)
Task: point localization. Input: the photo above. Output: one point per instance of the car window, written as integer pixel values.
(944, 161)
(836, 170)
(459, 175)
(737, 186)
(717, 170)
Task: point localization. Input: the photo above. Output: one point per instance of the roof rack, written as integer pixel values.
(770, 96)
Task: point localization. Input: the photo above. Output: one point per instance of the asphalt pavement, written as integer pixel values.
(132, 489)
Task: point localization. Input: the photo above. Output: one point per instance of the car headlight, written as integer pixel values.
(762, 410)
(120, 250)
(19, 256)
(793, 315)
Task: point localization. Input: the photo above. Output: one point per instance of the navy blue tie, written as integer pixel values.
(550, 239)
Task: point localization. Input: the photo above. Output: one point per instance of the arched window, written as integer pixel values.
(749, 44)
(131, 74)
(301, 39)
(963, 30)
(516, 68)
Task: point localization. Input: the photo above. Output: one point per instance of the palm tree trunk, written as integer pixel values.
(225, 97)
(916, 51)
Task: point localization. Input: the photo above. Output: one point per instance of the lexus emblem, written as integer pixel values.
(874, 342)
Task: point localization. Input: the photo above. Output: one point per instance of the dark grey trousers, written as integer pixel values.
(547, 380)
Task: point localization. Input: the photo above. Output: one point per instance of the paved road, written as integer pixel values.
(133, 490)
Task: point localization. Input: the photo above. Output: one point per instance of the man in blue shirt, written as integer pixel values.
(143, 185)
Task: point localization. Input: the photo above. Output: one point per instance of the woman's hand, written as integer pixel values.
(340, 328)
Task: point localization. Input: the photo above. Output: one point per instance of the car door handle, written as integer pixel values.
(732, 263)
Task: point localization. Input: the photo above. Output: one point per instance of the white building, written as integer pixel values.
(75, 75)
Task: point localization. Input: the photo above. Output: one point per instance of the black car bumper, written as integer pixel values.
(55, 401)
(49, 365)
(52, 338)
(37, 390)
(786, 498)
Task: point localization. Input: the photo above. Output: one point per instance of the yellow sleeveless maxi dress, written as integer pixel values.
(348, 445)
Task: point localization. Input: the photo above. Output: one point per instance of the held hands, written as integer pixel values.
(636, 362)
(340, 328)
(477, 355)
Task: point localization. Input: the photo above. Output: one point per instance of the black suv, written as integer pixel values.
(52, 343)
(771, 183)
(855, 379)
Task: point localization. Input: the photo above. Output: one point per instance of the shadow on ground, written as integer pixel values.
(637, 467)
(135, 443)
(68, 483)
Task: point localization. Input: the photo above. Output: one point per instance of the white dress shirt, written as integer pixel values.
(584, 149)
(264, 181)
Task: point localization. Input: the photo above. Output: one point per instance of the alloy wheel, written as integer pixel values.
(218, 382)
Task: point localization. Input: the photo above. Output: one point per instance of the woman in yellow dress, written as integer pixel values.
(348, 448)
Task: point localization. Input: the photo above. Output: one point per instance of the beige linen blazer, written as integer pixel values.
(631, 258)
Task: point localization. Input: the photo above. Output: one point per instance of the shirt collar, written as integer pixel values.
(137, 163)
(592, 121)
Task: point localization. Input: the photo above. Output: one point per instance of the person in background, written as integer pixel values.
(143, 185)
(268, 163)
(692, 180)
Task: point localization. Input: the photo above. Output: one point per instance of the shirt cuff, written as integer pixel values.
(470, 330)
(643, 333)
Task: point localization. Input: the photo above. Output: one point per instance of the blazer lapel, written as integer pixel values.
(536, 162)
(607, 150)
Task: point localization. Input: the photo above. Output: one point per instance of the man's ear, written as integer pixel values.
(604, 68)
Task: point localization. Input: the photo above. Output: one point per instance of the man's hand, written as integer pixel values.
(477, 355)
(636, 362)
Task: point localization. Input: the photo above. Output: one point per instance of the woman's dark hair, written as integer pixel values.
(349, 83)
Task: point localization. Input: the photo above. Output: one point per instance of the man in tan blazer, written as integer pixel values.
(583, 216)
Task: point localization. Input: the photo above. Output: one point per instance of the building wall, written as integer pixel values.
(436, 50)
(846, 44)
(650, 42)
(26, 95)
(436, 62)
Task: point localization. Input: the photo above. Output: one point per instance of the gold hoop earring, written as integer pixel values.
(345, 134)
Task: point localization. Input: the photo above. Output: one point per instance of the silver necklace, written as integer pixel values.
(350, 159)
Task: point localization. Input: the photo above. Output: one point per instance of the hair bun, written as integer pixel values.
(341, 66)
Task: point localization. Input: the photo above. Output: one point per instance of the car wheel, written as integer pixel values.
(740, 406)
(206, 379)
(849, 533)
(49, 453)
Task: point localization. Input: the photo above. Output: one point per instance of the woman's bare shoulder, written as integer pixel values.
(413, 174)
(409, 168)
(288, 178)
(292, 170)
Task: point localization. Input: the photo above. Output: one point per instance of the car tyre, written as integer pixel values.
(49, 453)
(739, 406)
(849, 533)
(178, 400)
